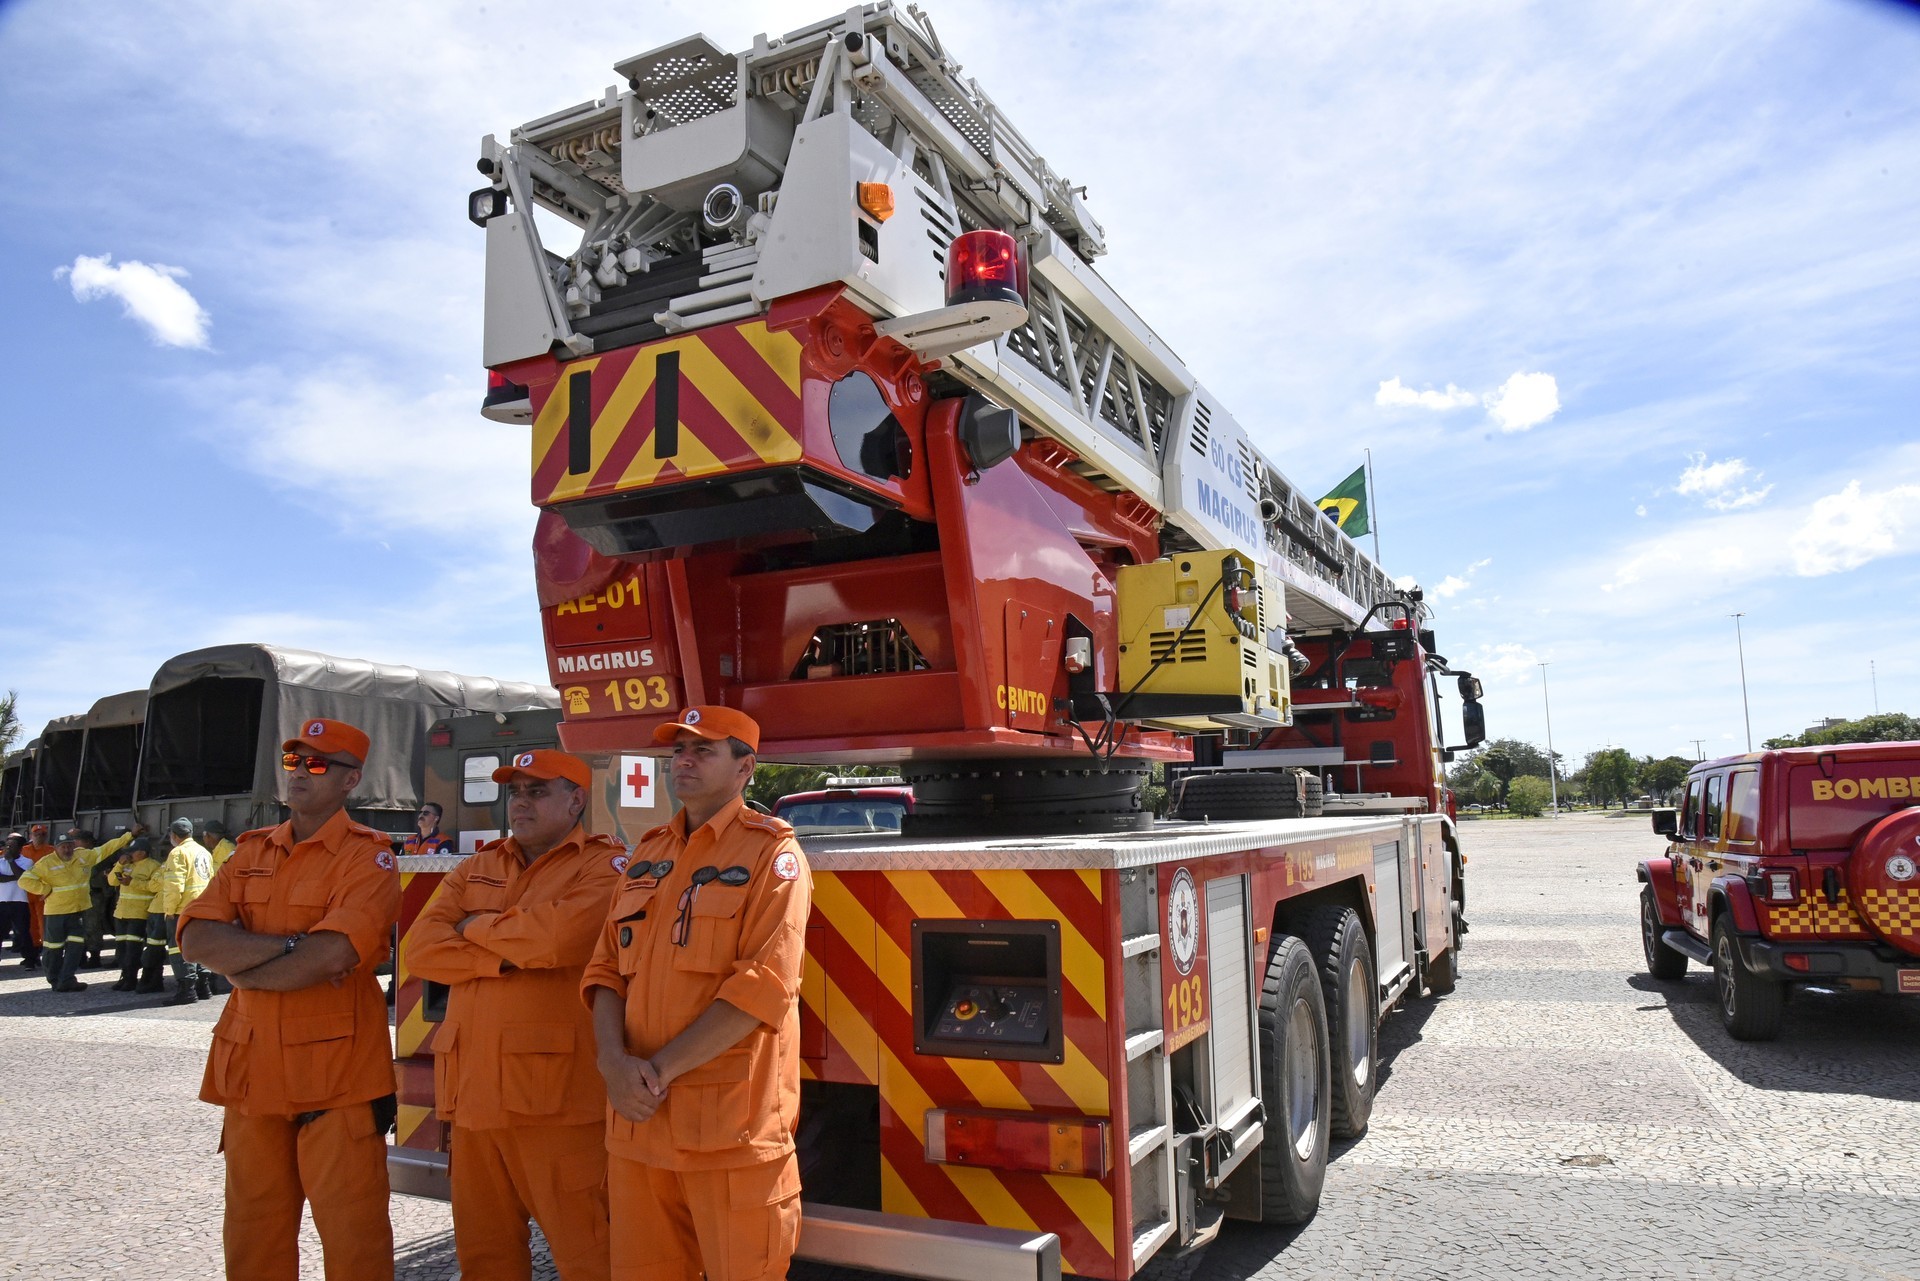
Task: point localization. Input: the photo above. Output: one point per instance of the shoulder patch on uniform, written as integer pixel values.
(619, 862)
(786, 865)
(385, 859)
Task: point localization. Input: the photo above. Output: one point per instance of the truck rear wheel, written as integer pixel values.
(1751, 1005)
(1662, 961)
(1353, 1013)
(1296, 1083)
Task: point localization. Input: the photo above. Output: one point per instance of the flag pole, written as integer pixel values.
(1373, 508)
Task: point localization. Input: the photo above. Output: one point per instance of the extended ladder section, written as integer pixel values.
(715, 183)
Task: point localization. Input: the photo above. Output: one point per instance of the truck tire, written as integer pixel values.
(1296, 1082)
(1751, 1005)
(1662, 961)
(1235, 797)
(1352, 994)
(1312, 796)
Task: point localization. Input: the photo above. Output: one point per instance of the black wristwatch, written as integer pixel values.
(293, 941)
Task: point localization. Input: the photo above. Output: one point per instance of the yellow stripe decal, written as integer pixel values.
(1025, 900)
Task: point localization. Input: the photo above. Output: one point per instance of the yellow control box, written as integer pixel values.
(1194, 651)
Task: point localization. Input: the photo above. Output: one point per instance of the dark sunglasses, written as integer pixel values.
(291, 761)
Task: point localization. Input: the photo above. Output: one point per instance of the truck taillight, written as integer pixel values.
(1077, 1145)
(986, 266)
(1776, 886)
(439, 736)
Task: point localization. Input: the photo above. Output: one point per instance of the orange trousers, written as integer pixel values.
(337, 1164)
(37, 918)
(555, 1173)
(732, 1225)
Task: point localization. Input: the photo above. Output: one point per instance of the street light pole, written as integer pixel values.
(1746, 711)
(1699, 751)
(1553, 774)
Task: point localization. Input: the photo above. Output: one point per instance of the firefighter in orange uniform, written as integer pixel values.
(37, 849)
(510, 931)
(694, 987)
(298, 919)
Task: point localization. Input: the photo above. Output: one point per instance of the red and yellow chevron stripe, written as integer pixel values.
(416, 1127)
(711, 401)
(857, 985)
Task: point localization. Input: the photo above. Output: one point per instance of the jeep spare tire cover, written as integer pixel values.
(1883, 878)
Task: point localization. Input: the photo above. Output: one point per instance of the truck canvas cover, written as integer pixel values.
(111, 754)
(216, 718)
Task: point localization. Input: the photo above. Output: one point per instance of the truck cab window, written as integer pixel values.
(1690, 810)
(1710, 829)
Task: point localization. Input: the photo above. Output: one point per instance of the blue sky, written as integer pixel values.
(1690, 227)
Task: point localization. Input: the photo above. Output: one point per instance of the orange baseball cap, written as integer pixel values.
(711, 721)
(331, 738)
(545, 765)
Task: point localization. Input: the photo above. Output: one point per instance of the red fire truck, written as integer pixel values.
(1790, 868)
(834, 421)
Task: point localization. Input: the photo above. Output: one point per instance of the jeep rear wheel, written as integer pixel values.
(1662, 961)
(1751, 1005)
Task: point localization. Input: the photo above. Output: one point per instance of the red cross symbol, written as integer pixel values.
(638, 779)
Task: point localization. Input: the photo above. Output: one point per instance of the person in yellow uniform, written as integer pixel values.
(132, 874)
(183, 877)
(219, 843)
(64, 879)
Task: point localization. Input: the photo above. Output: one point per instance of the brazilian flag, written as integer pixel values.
(1346, 506)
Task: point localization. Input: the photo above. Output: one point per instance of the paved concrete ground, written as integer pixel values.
(1560, 1115)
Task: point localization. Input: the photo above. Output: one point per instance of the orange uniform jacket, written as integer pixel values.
(283, 1053)
(516, 1048)
(743, 945)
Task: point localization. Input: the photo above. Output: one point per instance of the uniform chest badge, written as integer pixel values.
(786, 866)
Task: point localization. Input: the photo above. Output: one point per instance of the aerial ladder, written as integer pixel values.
(834, 420)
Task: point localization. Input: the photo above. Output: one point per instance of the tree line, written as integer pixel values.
(1517, 776)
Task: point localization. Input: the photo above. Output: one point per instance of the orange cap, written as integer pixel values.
(331, 738)
(711, 721)
(546, 765)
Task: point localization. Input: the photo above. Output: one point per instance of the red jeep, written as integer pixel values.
(1793, 866)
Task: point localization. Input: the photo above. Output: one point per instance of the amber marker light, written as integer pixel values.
(876, 199)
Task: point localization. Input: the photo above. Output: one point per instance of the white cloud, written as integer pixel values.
(1846, 530)
(1524, 401)
(1715, 483)
(1508, 662)
(1453, 584)
(1395, 394)
(442, 471)
(1640, 510)
(150, 293)
(1832, 534)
